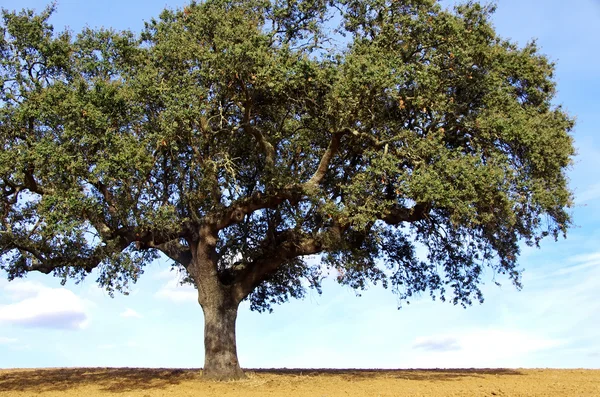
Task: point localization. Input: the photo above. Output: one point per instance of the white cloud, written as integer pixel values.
(173, 291)
(7, 341)
(130, 313)
(38, 306)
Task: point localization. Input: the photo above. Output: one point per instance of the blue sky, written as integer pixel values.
(553, 322)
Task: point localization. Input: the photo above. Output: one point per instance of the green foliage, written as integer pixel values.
(239, 117)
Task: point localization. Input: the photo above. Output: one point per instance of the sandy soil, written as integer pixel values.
(135, 382)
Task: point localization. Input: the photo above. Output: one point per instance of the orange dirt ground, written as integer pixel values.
(134, 382)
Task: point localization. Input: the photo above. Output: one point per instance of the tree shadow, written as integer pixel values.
(120, 380)
(115, 380)
(408, 374)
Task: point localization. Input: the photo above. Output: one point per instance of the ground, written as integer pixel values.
(136, 382)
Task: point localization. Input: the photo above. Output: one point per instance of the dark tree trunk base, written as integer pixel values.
(224, 376)
(220, 357)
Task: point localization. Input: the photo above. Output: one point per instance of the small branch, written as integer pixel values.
(13, 190)
(259, 136)
(378, 144)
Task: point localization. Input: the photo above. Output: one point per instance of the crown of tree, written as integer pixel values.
(237, 138)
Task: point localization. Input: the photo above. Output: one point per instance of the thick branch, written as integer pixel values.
(331, 151)
(236, 212)
(173, 249)
(287, 245)
(41, 261)
(14, 189)
(164, 240)
(30, 182)
(99, 223)
(398, 215)
(203, 267)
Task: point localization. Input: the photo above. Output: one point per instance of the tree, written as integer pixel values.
(233, 138)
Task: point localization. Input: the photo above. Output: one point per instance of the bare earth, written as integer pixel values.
(135, 382)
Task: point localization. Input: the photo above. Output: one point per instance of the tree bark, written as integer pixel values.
(220, 349)
(220, 307)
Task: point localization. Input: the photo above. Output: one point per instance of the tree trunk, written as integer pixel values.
(220, 351)
(220, 306)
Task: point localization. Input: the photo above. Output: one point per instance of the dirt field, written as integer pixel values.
(128, 382)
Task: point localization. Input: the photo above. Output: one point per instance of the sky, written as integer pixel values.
(553, 322)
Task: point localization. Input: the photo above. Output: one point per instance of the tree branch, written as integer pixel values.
(259, 136)
(30, 182)
(108, 197)
(287, 245)
(377, 144)
(172, 249)
(398, 215)
(165, 241)
(99, 223)
(236, 212)
(14, 189)
(44, 264)
(331, 151)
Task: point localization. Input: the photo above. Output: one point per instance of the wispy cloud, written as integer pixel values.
(7, 341)
(130, 313)
(588, 257)
(38, 306)
(591, 193)
(437, 343)
(476, 347)
(173, 291)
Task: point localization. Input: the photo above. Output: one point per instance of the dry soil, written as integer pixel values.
(135, 382)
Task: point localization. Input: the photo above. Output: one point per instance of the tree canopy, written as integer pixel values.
(239, 137)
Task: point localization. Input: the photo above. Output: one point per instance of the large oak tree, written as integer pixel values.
(238, 137)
